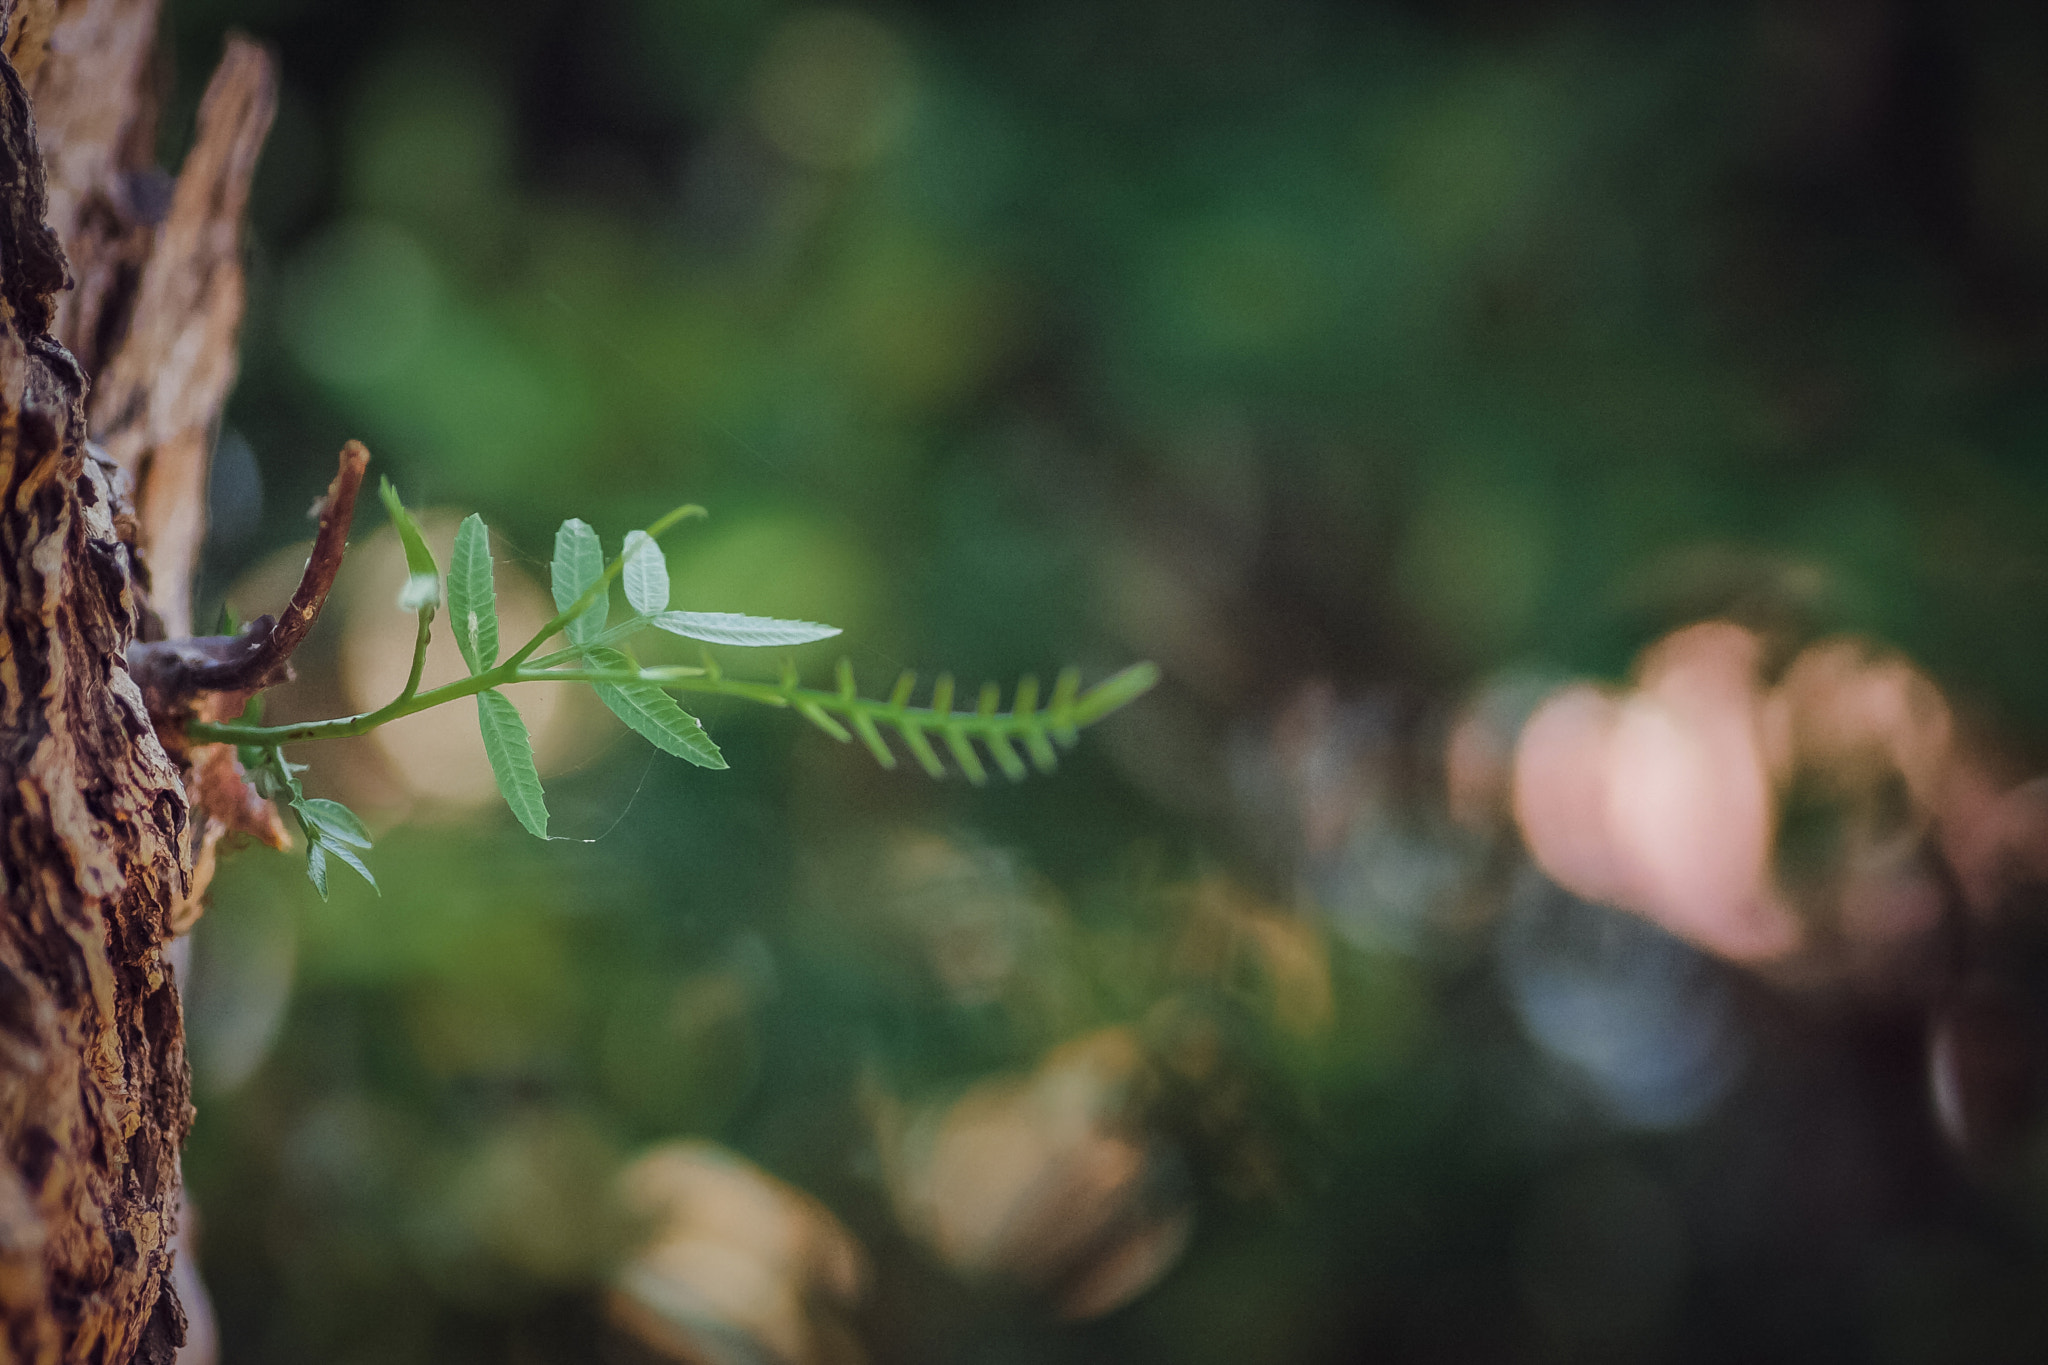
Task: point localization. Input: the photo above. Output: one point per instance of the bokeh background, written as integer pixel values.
(1576, 894)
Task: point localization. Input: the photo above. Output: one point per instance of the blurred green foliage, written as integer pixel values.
(1394, 345)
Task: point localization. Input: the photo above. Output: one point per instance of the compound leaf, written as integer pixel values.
(422, 590)
(653, 713)
(511, 754)
(348, 856)
(337, 823)
(472, 597)
(578, 563)
(731, 628)
(646, 574)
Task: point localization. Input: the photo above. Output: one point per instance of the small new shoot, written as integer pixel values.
(595, 651)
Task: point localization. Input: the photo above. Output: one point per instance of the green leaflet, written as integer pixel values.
(511, 755)
(349, 856)
(653, 713)
(1118, 690)
(316, 867)
(422, 590)
(336, 822)
(324, 841)
(329, 826)
(646, 574)
(730, 628)
(578, 563)
(472, 598)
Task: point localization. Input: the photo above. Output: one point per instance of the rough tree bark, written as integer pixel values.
(96, 827)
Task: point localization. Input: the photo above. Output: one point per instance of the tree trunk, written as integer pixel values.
(95, 818)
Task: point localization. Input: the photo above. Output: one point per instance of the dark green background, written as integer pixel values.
(1396, 346)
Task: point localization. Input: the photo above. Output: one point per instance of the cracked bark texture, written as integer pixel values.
(95, 818)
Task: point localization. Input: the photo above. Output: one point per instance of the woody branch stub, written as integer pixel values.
(209, 677)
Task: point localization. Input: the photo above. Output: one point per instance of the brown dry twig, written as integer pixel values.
(173, 674)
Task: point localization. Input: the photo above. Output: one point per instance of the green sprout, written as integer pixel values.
(597, 654)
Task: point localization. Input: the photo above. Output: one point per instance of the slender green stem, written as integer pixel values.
(343, 727)
(419, 655)
(1067, 712)
(411, 702)
(573, 654)
(1069, 709)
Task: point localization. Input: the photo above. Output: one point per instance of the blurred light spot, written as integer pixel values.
(1227, 928)
(1045, 1179)
(1857, 717)
(1658, 800)
(1332, 783)
(359, 302)
(833, 90)
(1602, 1261)
(1333, 754)
(1128, 1268)
(536, 1196)
(737, 1267)
(1479, 752)
(1643, 1018)
(966, 907)
(1561, 791)
(440, 753)
(1688, 798)
(1758, 820)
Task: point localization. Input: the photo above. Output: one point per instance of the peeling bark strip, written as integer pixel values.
(157, 399)
(94, 1098)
